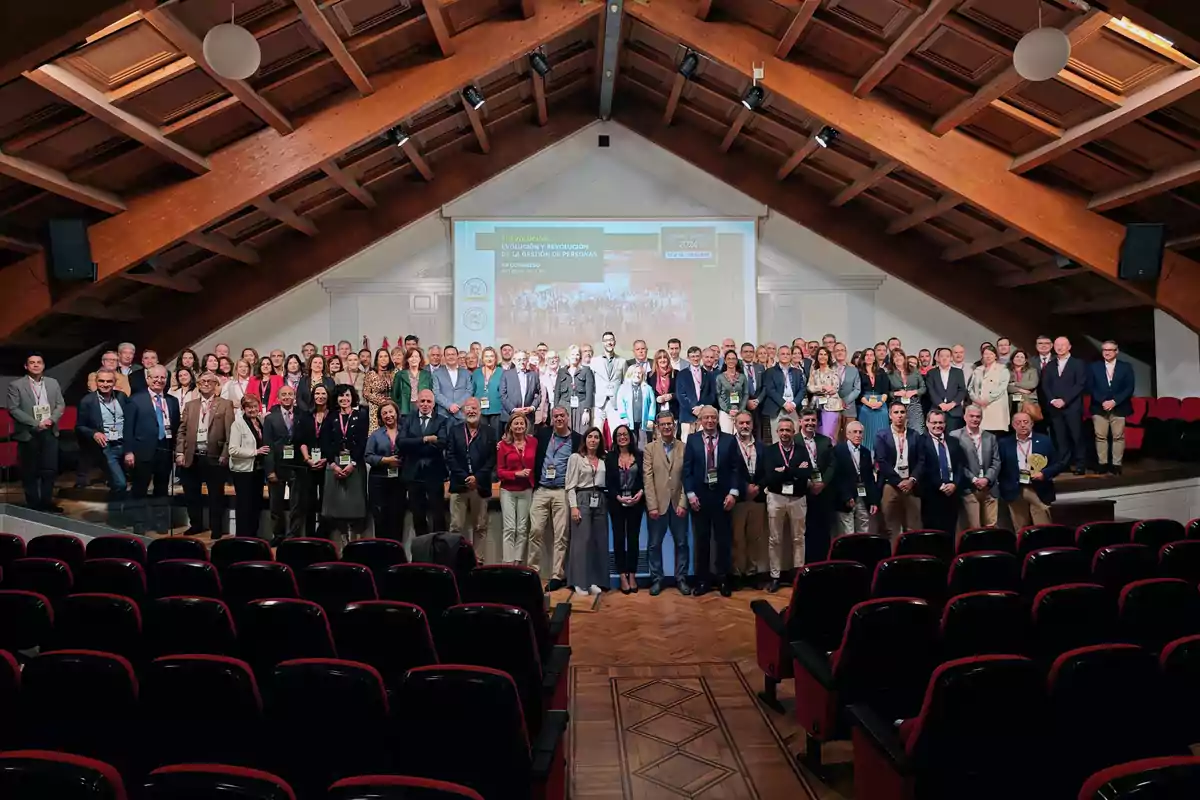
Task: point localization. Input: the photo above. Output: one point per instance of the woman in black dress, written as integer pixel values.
(307, 437)
(344, 445)
(626, 504)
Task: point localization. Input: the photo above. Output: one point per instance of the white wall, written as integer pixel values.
(1178, 500)
(1176, 357)
(402, 284)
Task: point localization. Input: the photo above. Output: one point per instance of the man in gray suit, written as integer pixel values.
(520, 390)
(36, 405)
(607, 372)
(983, 463)
(451, 384)
(850, 387)
(755, 388)
(946, 388)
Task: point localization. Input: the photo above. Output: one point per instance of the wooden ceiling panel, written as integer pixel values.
(200, 15)
(940, 232)
(1118, 63)
(1174, 209)
(964, 54)
(1146, 147)
(25, 106)
(967, 224)
(1055, 102)
(922, 90)
(837, 164)
(464, 14)
(883, 19)
(216, 126)
(306, 89)
(818, 178)
(1013, 19)
(1009, 134)
(1089, 171)
(120, 57)
(284, 48)
(76, 145)
(376, 50)
(131, 171)
(352, 17)
(768, 16)
(838, 49)
(174, 99)
(901, 196)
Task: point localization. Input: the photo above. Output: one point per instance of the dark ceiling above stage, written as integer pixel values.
(950, 172)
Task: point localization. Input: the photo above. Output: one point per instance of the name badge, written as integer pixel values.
(816, 479)
(710, 477)
(905, 400)
(788, 488)
(734, 398)
(626, 495)
(393, 472)
(41, 412)
(594, 500)
(344, 460)
(822, 400)
(289, 452)
(862, 490)
(574, 401)
(873, 398)
(664, 406)
(551, 471)
(202, 436)
(1024, 478)
(316, 454)
(1016, 398)
(484, 403)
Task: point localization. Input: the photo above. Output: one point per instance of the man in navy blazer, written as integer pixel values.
(102, 422)
(898, 459)
(712, 483)
(1110, 382)
(853, 487)
(1064, 380)
(423, 439)
(151, 420)
(1027, 488)
(691, 400)
(942, 475)
(520, 391)
(783, 390)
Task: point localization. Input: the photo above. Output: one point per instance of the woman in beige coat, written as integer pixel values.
(988, 388)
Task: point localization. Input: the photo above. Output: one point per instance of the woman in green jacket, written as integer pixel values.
(410, 379)
(485, 386)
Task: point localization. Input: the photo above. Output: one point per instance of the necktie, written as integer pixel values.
(424, 424)
(287, 419)
(162, 431)
(750, 379)
(944, 460)
(854, 456)
(711, 448)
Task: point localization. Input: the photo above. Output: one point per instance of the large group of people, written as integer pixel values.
(748, 446)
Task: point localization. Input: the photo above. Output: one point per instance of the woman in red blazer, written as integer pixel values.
(515, 455)
(266, 384)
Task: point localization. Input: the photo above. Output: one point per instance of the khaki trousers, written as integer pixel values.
(749, 525)
(980, 509)
(782, 510)
(856, 521)
(901, 512)
(514, 514)
(549, 505)
(469, 516)
(1104, 423)
(1028, 509)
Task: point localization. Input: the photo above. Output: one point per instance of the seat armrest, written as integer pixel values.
(883, 735)
(554, 728)
(770, 615)
(555, 667)
(814, 662)
(558, 619)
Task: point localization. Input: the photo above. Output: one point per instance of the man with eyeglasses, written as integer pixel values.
(1111, 384)
(666, 504)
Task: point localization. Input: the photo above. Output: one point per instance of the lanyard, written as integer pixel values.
(978, 442)
(344, 422)
(111, 407)
(1026, 449)
(39, 392)
(787, 454)
(811, 446)
(317, 424)
(205, 405)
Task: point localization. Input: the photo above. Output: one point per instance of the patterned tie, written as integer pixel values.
(158, 408)
(287, 419)
(711, 448)
(944, 460)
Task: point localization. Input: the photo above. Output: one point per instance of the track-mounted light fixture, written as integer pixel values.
(473, 97)
(826, 136)
(689, 65)
(754, 98)
(397, 136)
(539, 64)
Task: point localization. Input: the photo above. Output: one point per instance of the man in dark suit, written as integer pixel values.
(1111, 384)
(520, 390)
(471, 458)
(750, 511)
(983, 470)
(1028, 465)
(139, 379)
(854, 490)
(1044, 347)
(284, 466)
(946, 389)
(712, 485)
(820, 518)
(101, 421)
(783, 390)
(695, 387)
(1063, 382)
(423, 438)
(202, 454)
(898, 459)
(942, 475)
(755, 387)
(151, 420)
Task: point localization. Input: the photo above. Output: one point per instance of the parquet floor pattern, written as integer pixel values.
(664, 706)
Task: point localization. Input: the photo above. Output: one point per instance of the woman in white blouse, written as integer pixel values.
(185, 386)
(988, 388)
(587, 564)
(235, 389)
(246, 451)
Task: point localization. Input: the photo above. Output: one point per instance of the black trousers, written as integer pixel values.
(311, 483)
(38, 458)
(1066, 428)
(626, 530)
(712, 524)
(205, 471)
(493, 422)
(938, 512)
(818, 522)
(247, 503)
(389, 502)
(287, 517)
(156, 512)
(427, 501)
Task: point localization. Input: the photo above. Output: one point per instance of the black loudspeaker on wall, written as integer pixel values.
(69, 251)
(1142, 251)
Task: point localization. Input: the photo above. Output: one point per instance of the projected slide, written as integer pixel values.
(567, 281)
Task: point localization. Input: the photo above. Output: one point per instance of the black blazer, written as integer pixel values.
(91, 417)
(304, 399)
(276, 436)
(886, 455)
(844, 485)
(140, 436)
(956, 392)
(1069, 387)
(543, 444)
(422, 459)
(758, 477)
(797, 470)
(612, 476)
(929, 471)
(332, 441)
(482, 459)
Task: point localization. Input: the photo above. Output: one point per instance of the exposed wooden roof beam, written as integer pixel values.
(176, 283)
(318, 23)
(178, 34)
(673, 101)
(1025, 118)
(1077, 30)
(38, 32)
(1044, 274)
(347, 184)
(87, 98)
(1187, 240)
(539, 96)
(959, 165)
(795, 28)
(917, 32)
(881, 171)
(703, 8)
(1139, 104)
(55, 182)
(476, 119)
(739, 121)
(984, 243)
(287, 216)
(94, 309)
(223, 246)
(441, 30)
(414, 155)
(18, 245)
(1162, 181)
(1116, 302)
(934, 208)
(802, 152)
(528, 8)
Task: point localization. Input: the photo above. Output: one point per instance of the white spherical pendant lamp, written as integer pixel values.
(232, 51)
(1041, 54)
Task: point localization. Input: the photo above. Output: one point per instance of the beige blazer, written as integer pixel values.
(219, 425)
(663, 479)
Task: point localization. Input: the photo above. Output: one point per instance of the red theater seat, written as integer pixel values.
(209, 781)
(333, 584)
(117, 545)
(375, 554)
(1189, 409)
(175, 547)
(1141, 407)
(1154, 533)
(518, 586)
(271, 631)
(1053, 566)
(975, 540)
(196, 625)
(1091, 536)
(108, 623)
(233, 549)
(184, 577)
(984, 571)
(1180, 664)
(1118, 564)
(1070, 616)
(304, 551)
(258, 580)
(398, 787)
(1162, 778)
(392, 637)
(1157, 611)
(1039, 537)
(1166, 408)
(911, 576)
(63, 546)
(12, 547)
(983, 623)
(430, 586)
(26, 620)
(1180, 560)
(939, 544)
(38, 774)
(112, 576)
(867, 549)
(46, 576)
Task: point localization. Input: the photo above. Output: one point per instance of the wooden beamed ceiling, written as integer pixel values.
(941, 152)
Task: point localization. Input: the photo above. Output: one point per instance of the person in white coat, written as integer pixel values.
(246, 451)
(635, 405)
(608, 369)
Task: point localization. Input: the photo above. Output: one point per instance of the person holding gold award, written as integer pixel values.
(1028, 465)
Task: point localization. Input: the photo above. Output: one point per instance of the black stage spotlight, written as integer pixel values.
(826, 136)
(539, 64)
(754, 98)
(690, 63)
(473, 96)
(398, 137)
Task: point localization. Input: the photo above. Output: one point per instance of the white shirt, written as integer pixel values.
(521, 378)
(901, 442)
(855, 455)
(945, 373)
(453, 373)
(1062, 363)
(959, 366)
(1024, 449)
(749, 454)
(1109, 368)
(788, 394)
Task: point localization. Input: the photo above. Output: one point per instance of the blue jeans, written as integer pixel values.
(116, 472)
(657, 529)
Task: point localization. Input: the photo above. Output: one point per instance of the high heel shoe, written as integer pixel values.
(633, 586)
(624, 584)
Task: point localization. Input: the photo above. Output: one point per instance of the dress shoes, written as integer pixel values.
(656, 589)
(773, 586)
(727, 588)
(554, 585)
(701, 589)
(682, 585)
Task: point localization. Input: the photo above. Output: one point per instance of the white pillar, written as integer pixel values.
(1176, 357)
